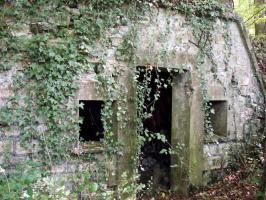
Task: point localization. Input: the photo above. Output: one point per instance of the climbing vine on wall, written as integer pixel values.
(59, 48)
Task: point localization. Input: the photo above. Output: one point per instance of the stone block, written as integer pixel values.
(224, 149)
(3, 102)
(58, 169)
(210, 150)
(87, 91)
(11, 132)
(123, 30)
(116, 41)
(31, 149)
(55, 42)
(111, 173)
(41, 128)
(21, 30)
(110, 53)
(40, 27)
(214, 162)
(18, 159)
(19, 150)
(74, 11)
(5, 93)
(91, 167)
(71, 168)
(216, 92)
(6, 145)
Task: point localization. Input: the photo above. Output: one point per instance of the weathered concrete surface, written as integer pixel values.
(196, 137)
(163, 40)
(180, 136)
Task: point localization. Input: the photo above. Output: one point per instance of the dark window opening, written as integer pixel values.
(218, 117)
(154, 166)
(91, 128)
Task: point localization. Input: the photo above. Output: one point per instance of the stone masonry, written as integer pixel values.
(165, 35)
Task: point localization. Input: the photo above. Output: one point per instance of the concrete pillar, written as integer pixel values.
(126, 162)
(196, 163)
(180, 137)
(187, 133)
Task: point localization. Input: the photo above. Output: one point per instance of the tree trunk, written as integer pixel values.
(260, 28)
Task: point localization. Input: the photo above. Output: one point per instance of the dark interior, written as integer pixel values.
(154, 166)
(219, 117)
(91, 128)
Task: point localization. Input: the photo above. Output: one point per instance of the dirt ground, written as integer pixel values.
(235, 186)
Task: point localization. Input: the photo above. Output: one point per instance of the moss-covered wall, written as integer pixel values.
(161, 38)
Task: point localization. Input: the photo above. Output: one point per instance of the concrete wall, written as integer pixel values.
(163, 40)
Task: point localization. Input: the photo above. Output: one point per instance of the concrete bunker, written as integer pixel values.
(163, 40)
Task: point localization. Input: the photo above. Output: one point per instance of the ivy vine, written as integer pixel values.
(60, 48)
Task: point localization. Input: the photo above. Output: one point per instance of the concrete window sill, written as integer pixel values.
(88, 147)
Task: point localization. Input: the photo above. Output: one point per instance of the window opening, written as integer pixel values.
(91, 128)
(218, 117)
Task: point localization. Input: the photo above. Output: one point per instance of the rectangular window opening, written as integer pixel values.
(91, 127)
(218, 117)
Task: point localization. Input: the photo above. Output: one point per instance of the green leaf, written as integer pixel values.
(93, 187)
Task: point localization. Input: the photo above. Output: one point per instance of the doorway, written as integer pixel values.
(155, 164)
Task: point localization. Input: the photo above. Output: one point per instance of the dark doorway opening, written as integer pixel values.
(91, 128)
(154, 166)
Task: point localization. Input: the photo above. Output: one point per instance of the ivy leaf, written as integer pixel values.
(163, 151)
(93, 187)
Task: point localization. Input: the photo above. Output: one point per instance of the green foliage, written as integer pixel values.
(13, 184)
(253, 13)
(102, 4)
